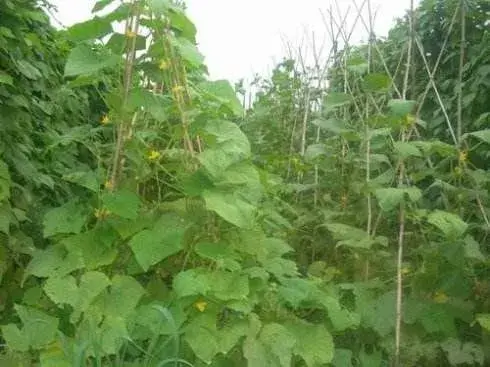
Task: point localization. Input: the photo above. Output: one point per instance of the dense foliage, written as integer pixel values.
(147, 220)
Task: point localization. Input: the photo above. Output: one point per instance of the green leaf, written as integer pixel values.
(401, 107)
(231, 334)
(188, 51)
(201, 335)
(448, 223)
(380, 315)
(314, 151)
(279, 341)
(54, 261)
(28, 70)
(377, 82)
(222, 92)
(230, 207)
(313, 343)
(472, 249)
(38, 331)
(227, 145)
(350, 236)
(124, 295)
(180, 21)
(5, 181)
(84, 60)
(391, 198)
(159, 7)
(215, 251)
(257, 355)
(101, 4)
(94, 248)
(154, 104)
(459, 353)
(484, 320)
(6, 79)
(69, 218)
(226, 286)
(342, 358)
(118, 43)
(337, 99)
(191, 283)
(94, 28)
(165, 239)
(80, 297)
(483, 135)
(123, 203)
(407, 149)
(87, 179)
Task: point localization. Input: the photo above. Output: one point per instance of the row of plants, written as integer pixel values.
(384, 151)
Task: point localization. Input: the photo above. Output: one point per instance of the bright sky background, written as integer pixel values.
(243, 37)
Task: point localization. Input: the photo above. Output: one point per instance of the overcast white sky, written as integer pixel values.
(242, 37)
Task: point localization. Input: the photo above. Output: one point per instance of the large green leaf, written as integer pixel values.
(188, 51)
(4, 181)
(279, 341)
(94, 28)
(391, 198)
(401, 107)
(154, 104)
(38, 331)
(123, 203)
(69, 218)
(484, 320)
(87, 179)
(230, 207)
(84, 60)
(93, 248)
(223, 92)
(406, 149)
(201, 335)
(337, 99)
(124, 295)
(101, 4)
(314, 344)
(191, 283)
(154, 245)
(448, 223)
(66, 291)
(483, 135)
(377, 82)
(459, 353)
(6, 78)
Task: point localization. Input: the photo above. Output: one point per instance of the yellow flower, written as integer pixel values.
(130, 34)
(108, 185)
(164, 65)
(104, 120)
(201, 305)
(177, 89)
(405, 270)
(101, 213)
(463, 156)
(410, 120)
(153, 155)
(440, 297)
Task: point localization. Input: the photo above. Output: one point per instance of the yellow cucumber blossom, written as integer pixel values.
(178, 89)
(130, 34)
(105, 120)
(101, 213)
(463, 156)
(164, 65)
(154, 155)
(201, 305)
